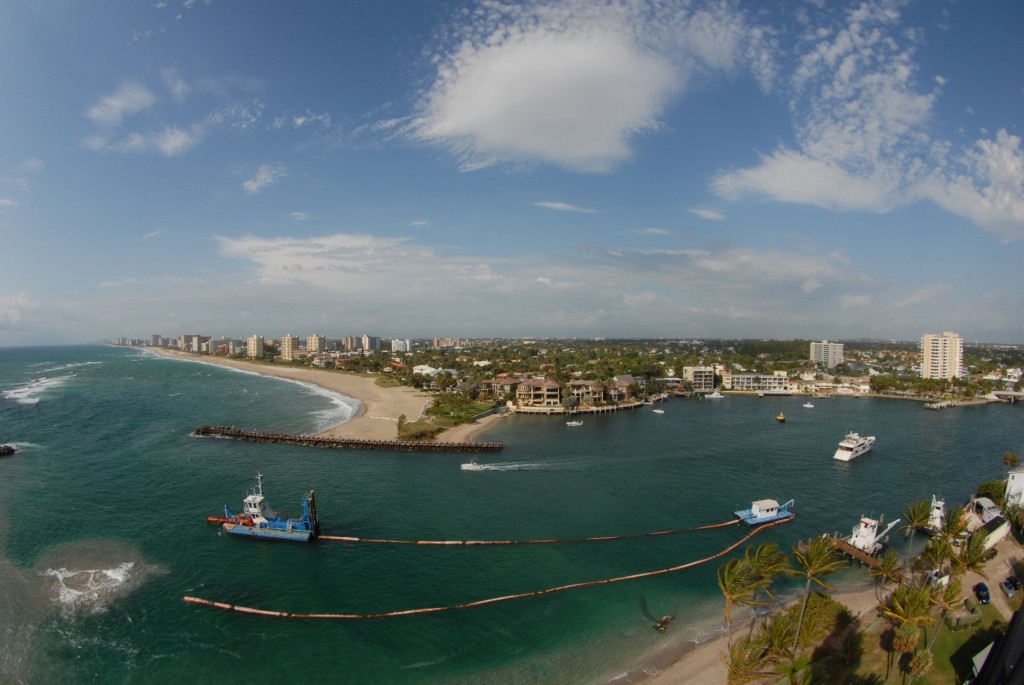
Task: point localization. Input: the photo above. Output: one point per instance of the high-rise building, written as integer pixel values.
(829, 354)
(254, 347)
(370, 343)
(352, 343)
(942, 356)
(401, 345)
(289, 346)
(315, 344)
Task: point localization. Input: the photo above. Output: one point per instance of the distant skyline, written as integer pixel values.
(412, 168)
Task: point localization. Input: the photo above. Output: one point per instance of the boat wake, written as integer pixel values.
(521, 466)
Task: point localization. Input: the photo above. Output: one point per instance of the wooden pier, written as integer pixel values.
(851, 551)
(346, 443)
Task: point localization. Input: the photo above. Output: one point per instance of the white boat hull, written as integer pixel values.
(853, 446)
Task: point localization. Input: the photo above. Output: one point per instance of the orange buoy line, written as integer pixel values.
(472, 543)
(482, 602)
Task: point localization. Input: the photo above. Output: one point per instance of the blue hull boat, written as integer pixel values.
(765, 511)
(258, 520)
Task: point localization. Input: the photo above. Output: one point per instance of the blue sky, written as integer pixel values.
(414, 169)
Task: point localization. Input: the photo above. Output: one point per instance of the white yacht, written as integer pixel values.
(854, 445)
(937, 517)
(716, 395)
(574, 423)
(866, 538)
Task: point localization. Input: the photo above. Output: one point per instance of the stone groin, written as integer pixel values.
(349, 443)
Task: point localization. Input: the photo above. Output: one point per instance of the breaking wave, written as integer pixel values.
(30, 392)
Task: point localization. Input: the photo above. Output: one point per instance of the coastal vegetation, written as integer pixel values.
(925, 627)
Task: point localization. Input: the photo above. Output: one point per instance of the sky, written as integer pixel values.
(592, 168)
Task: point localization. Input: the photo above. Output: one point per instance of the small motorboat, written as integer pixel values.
(808, 405)
(658, 411)
(577, 422)
(781, 418)
(472, 466)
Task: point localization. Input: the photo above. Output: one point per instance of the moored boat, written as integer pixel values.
(765, 511)
(937, 516)
(716, 395)
(854, 445)
(258, 520)
(866, 538)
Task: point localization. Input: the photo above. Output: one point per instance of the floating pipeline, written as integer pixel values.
(493, 600)
(481, 543)
(345, 443)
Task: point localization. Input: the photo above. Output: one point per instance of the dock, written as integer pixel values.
(851, 551)
(345, 443)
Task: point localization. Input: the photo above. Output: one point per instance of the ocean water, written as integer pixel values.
(102, 527)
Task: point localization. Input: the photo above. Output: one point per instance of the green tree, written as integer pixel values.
(994, 490)
(916, 516)
(402, 421)
(815, 560)
(888, 568)
(909, 605)
(745, 661)
(973, 555)
(945, 597)
(739, 586)
(1011, 460)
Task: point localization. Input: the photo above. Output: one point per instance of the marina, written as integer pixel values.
(628, 472)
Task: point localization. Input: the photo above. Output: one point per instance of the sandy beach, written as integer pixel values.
(378, 416)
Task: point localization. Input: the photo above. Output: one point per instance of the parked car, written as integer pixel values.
(981, 592)
(1014, 581)
(1007, 587)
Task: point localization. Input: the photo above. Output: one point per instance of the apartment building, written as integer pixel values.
(942, 356)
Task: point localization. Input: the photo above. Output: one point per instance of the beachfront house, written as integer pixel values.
(539, 393)
(587, 392)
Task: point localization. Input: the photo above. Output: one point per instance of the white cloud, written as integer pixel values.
(8, 202)
(265, 176)
(31, 166)
(573, 83)
(564, 207)
(152, 234)
(419, 223)
(13, 309)
(864, 138)
(127, 100)
(655, 231)
(175, 84)
(987, 186)
(298, 216)
(708, 214)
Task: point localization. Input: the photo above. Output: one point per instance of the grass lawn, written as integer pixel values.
(952, 651)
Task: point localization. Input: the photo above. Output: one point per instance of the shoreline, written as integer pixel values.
(378, 410)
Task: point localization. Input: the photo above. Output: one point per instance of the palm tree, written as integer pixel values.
(954, 525)
(745, 662)
(945, 597)
(888, 568)
(972, 556)
(776, 635)
(816, 559)
(909, 605)
(739, 586)
(766, 563)
(916, 516)
(937, 553)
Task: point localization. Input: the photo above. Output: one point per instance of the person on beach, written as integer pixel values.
(663, 623)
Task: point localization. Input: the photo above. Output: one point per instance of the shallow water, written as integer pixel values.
(104, 441)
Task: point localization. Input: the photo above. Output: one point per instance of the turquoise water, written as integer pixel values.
(102, 531)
